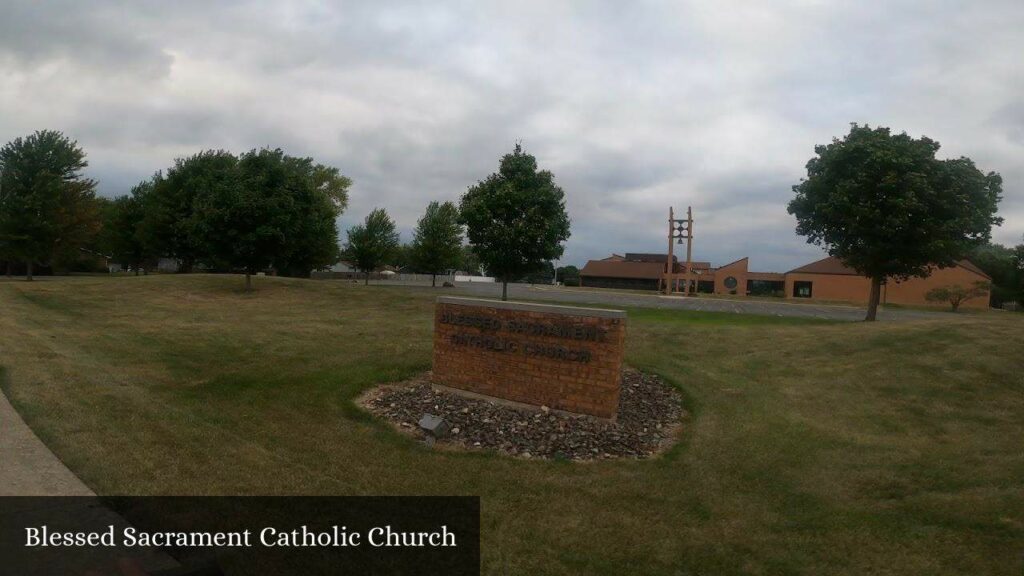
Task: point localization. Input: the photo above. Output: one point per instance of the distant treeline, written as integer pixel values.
(259, 211)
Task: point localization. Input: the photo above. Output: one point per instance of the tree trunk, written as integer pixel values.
(136, 269)
(504, 289)
(366, 279)
(876, 293)
(248, 280)
(28, 271)
(433, 280)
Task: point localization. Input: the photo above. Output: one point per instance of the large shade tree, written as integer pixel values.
(372, 242)
(267, 209)
(318, 198)
(170, 223)
(515, 218)
(47, 207)
(437, 241)
(883, 204)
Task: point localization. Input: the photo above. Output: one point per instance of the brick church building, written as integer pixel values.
(827, 279)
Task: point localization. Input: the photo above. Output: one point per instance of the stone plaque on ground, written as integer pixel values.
(561, 357)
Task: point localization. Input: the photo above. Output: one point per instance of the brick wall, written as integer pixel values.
(913, 291)
(737, 270)
(857, 289)
(840, 287)
(557, 356)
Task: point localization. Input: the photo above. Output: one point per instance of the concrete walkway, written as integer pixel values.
(27, 467)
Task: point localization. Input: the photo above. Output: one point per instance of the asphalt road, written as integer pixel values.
(628, 299)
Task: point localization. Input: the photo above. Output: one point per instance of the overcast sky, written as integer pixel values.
(633, 106)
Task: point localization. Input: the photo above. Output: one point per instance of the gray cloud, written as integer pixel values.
(633, 106)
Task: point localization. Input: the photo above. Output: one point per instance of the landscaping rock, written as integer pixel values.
(647, 423)
(433, 425)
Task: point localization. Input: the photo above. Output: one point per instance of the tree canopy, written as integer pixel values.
(568, 275)
(123, 236)
(170, 223)
(437, 241)
(470, 262)
(1006, 267)
(370, 243)
(884, 205)
(265, 209)
(515, 218)
(262, 209)
(47, 207)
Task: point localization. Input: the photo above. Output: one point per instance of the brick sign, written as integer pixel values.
(557, 356)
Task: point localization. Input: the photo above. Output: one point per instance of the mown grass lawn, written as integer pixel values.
(810, 448)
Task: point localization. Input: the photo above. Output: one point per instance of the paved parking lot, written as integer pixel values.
(627, 299)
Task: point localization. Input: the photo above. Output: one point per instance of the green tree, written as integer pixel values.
(78, 226)
(568, 275)
(170, 222)
(122, 237)
(543, 275)
(956, 294)
(515, 218)
(470, 262)
(312, 241)
(47, 207)
(437, 241)
(265, 209)
(330, 182)
(885, 206)
(1003, 265)
(400, 258)
(372, 242)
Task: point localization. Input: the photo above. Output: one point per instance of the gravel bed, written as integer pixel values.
(648, 421)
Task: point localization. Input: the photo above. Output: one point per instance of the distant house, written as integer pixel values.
(168, 265)
(342, 266)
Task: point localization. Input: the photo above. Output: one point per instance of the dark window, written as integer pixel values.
(766, 288)
(730, 283)
(802, 289)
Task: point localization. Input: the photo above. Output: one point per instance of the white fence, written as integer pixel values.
(417, 277)
(381, 277)
(400, 278)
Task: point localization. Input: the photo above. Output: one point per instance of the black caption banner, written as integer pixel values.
(236, 535)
